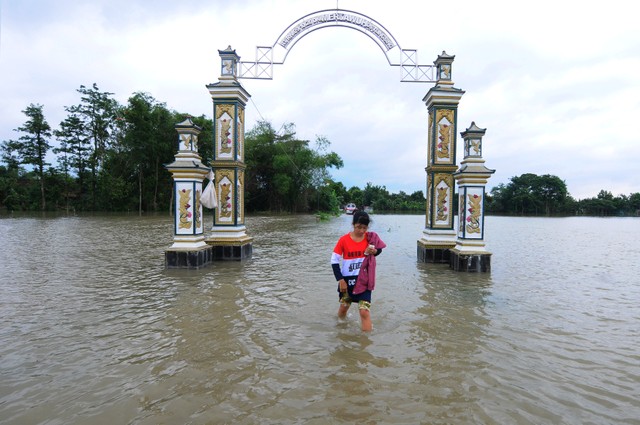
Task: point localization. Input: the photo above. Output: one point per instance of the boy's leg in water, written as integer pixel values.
(345, 303)
(365, 316)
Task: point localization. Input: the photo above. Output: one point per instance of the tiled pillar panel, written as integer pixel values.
(469, 254)
(439, 236)
(189, 249)
(229, 237)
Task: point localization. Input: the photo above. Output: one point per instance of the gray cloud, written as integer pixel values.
(557, 91)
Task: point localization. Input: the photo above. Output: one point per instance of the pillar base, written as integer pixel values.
(230, 243)
(434, 253)
(478, 262)
(188, 258)
(231, 250)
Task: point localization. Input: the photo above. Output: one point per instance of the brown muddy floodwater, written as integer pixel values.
(93, 330)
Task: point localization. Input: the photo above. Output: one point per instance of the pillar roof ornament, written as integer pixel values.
(187, 124)
(473, 131)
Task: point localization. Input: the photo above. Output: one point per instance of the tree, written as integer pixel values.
(530, 194)
(339, 190)
(33, 145)
(292, 177)
(259, 154)
(553, 191)
(11, 197)
(97, 110)
(374, 196)
(321, 178)
(284, 173)
(355, 195)
(163, 148)
(10, 155)
(525, 190)
(605, 203)
(75, 149)
(148, 143)
(634, 203)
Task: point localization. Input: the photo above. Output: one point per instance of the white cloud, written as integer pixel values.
(556, 86)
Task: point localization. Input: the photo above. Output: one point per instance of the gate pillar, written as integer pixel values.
(442, 100)
(189, 249)
(229, 235)
(469, 254)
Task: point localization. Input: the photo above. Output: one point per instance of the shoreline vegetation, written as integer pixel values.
(110, 157)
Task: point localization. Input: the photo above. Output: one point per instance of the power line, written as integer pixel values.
(278, 144)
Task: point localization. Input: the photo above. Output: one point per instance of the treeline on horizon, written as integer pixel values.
(110, 158)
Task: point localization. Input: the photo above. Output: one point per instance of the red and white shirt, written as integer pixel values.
(347, 257)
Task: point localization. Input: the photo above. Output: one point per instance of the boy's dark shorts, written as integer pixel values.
(363, 299)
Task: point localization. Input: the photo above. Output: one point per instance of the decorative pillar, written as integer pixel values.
(442, 101)
(189, 249)
(469, 254)
(229, 235)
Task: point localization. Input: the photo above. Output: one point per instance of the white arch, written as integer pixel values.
(336, 18)
(267, 56)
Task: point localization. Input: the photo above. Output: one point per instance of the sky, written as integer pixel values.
(556, 84)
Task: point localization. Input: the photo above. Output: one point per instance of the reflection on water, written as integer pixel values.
(94, 330)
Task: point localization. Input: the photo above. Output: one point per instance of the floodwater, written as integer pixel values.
(94, 330)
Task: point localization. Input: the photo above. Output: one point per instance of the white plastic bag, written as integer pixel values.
(209, 198)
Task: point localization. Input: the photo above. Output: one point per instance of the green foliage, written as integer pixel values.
(119, 192)
(284, 174)
(75, 153)
(11, 197)
(530, 194)
(379, 198)
(605, 204)
(33, 145)
(355, 195)
(9, 154)
(111, 157)
(148, 143)
(323, 216)
(97, 111)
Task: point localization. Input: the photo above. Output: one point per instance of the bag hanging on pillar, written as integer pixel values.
(209, 198)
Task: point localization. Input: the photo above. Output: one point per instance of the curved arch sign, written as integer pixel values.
(276, 54)
(349, 19)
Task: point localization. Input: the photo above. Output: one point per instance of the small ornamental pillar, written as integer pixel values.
(442, 100)
(229, 235)
(469, 254)
(189, 249)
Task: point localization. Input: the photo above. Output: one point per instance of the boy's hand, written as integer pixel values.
(343, 285)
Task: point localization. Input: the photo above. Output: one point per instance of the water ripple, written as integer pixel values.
(93, 328)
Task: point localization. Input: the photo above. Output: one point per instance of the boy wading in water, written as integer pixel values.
(354, 265)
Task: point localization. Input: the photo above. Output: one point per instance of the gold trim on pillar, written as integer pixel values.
(225, 186)
(445, 136)
(240, 197)
(225, 130)
(185, 215)
(240, 133)
(430, 137)
(442, 217)
(198, 211)
(428, 215)
(475, 211)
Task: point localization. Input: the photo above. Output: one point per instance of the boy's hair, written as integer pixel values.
(361, 217)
